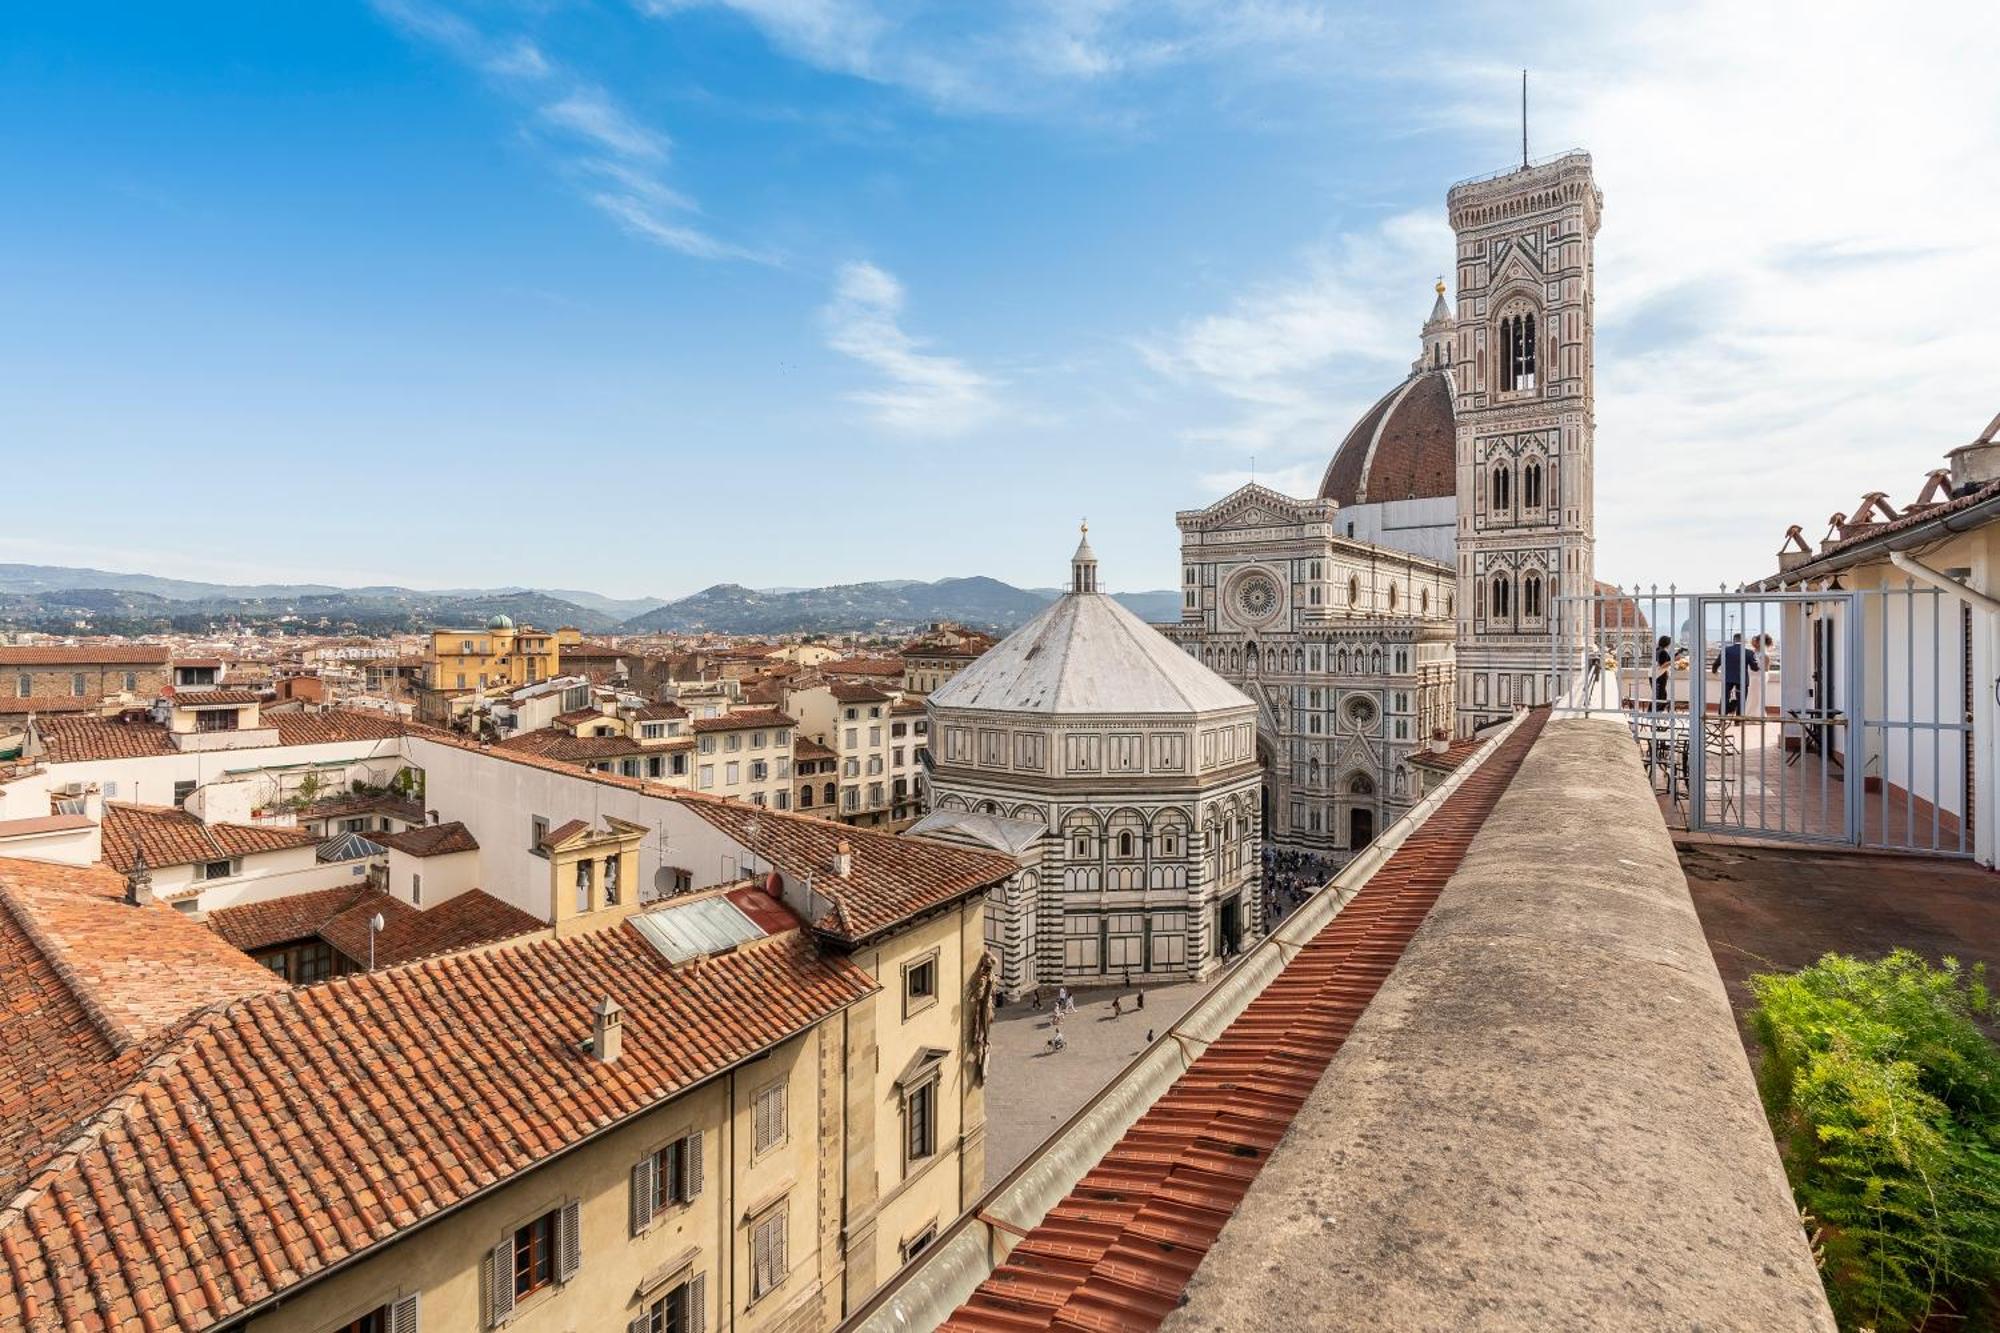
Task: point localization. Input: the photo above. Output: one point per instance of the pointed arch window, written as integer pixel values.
(1517, 352)
(1531, 485)
(1503, 488)
(1531, 594)
(1502, 597)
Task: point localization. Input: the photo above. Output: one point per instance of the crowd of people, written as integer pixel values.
(1289, 879)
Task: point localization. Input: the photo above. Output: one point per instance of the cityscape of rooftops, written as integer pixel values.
(1199, 665)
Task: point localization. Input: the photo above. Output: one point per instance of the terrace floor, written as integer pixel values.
(1767, 909)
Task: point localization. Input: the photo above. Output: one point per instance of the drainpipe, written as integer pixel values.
(1923, 573)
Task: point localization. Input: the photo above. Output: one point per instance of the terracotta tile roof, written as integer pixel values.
(890, 878)
(138, 654)
(864, 666)
(906, 707)
(173, 837)
(743, 719)
(340, 724)
(591, 651)
(577, 715)
(563, 832)
(1454, 754)
(49, 703)
(1831, 557)
(1117, 1252)
(1404, 447)
(287, 1132)
(805, 747)
(856, 694)
(89, 988)
(81, 738)
(340, 916)
(213, 698)
(467, 920)
(297, 916)
(660, 712)
(430, 840)
(557, 744)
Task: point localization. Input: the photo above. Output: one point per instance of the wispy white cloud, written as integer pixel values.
(614, 158)
(923, 393)
(1026, 55)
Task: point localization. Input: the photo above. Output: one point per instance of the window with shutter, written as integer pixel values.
(770, 1118)
(681, 1310)
(645, 1192)
(500, 1283)
(569, 1242)
(767, 1252)
(403, 1315)
(691, 1174)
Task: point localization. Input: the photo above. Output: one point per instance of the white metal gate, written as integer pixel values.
(1809, 715)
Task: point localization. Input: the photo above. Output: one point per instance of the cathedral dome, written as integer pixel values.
(1405, 447)
(1087, 654)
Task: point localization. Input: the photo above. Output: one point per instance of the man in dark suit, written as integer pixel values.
(1737, 661)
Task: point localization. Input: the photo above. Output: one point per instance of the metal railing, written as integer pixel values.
(1811, 714)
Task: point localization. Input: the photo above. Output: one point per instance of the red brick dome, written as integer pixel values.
(1405, 447)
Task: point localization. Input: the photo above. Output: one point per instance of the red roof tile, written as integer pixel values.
(340, 916)
(342, 1114)
(82, 738)
(891, 877)
(340, 724)
(296, 916)
(137, 654)
(1117, 1252)
(49, 703)
(429, 840)
(571, 749)
(213, 698)
(744, 719)
(174, 837)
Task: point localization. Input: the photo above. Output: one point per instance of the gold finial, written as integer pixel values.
(1440, 285)
(1084, 527)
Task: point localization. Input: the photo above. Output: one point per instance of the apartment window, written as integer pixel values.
(768, 1115)
(461, 680)
(781, 738)
(24, 686)
(756, 740)
(853, 737)
(183, 790)
(850, 714)
(465, 647)
(131, 681)
(920, 1242)
(768, 1264)
(666, 1176)
(680, 766)
(708, 777)
(78, 682)
(759, 770)
(217, 869)
(653, 767)
(215, 719)
(920, 1123)
(920, 984)
(416, 890)
(683, 1309)
(538, 1254)
(897, 729)
(874, 794)
(399, 1316)
(850, 799)
(732, 772)
(733, 741)
(708, 745)
(784, 800)
(896, 756)
(874, 735)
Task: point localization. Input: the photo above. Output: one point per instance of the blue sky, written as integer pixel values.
(641, 297)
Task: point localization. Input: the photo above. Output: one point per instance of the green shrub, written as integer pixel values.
(1886, 1098)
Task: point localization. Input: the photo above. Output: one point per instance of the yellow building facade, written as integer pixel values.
(498, 655)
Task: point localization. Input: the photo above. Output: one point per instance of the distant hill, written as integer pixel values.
(730, 608)
(60, 599)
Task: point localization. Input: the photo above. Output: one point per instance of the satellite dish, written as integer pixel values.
(663, 881)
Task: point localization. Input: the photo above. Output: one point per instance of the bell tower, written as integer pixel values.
(1522, 371)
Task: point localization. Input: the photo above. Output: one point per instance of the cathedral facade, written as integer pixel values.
(1417, 594)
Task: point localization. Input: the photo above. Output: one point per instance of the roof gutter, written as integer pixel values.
(1943, 582)
(924, 1293)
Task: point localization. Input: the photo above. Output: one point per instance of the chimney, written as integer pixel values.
(1977, 463)
(607, 1030)
(843, 859)
(139, 881)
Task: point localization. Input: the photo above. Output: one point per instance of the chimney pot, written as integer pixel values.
(607, 1035)
(139, 881)
(843, 859)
